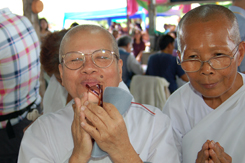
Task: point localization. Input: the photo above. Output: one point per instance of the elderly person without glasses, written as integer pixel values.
(208, 112)
(89, 56)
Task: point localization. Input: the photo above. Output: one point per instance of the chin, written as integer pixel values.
(213, 94)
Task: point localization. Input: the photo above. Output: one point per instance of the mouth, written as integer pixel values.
(209, 86)
(95, 94)
(90, 82)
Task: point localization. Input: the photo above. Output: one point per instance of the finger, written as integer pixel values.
(95, 114)
(211, 144)
(203, 154)
(101, 113)
(112, 111)
(214, 156)
(84, 98)
(76, 110)
(220, 146)
(91, 130)
(223, 156)
(206, 145)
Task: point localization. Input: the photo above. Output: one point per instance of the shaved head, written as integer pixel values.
(207, 13)
(93, 29)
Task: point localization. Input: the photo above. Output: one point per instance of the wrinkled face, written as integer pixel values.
(203, 40)
(75, 80)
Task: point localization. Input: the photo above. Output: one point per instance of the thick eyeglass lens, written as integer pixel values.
(101, 58)
(74, 60)
(221, 62)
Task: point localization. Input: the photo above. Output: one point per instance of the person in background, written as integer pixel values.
(44, 78)
(44, 31)
(138, 44)
(56, 96)
(208, 113)
(89, 56)
(74, 24)
(19, 81)
(238, 8)
(130, 65)
(164, 64)
(115, 33)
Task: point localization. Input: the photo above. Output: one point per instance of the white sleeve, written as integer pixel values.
(35, 147)
(163, 148)
(134, 66)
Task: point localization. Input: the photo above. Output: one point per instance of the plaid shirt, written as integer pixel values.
(19, 65)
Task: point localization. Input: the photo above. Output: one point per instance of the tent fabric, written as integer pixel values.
(118, 13)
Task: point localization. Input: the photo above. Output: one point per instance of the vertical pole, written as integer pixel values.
(128, 21)
(27, 10)
(152, 22)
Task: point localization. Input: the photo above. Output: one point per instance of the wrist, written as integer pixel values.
(75, 159)
(128, 155)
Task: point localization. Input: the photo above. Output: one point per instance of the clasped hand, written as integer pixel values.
(105, 125)
(212, 152)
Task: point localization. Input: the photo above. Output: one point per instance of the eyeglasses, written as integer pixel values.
(218, 62)
(97, 90)
(76, 59)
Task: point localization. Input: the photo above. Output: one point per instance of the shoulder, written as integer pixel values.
(178, 100)
(60, 118)
(123, 52)
(154, 56)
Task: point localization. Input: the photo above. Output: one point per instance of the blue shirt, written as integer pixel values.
(165, 65)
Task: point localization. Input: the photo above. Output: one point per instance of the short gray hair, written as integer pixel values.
(87, 27)
(207, 13)
(124, 41)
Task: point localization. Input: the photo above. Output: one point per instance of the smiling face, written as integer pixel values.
(87, 41)
(203, 40)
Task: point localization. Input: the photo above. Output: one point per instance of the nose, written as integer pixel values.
(206, 68)
(88, 66)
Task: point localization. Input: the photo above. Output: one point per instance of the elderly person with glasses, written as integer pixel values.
(89, 129)
(208, 113)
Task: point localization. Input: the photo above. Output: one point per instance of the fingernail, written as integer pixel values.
(86, 103)
(83, 108)
(212, 142)
(82, 124)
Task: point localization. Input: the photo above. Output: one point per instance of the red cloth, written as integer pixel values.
(186, 8)
(132, 7)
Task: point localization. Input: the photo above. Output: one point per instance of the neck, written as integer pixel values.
(165, 51)
(217, 101)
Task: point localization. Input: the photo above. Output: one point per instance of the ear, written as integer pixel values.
(61, 74)
(120, 64)
(241, 50)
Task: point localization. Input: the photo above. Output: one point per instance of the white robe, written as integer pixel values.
(194, 122)
(49, 138)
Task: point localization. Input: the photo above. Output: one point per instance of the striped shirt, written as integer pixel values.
(19, 65)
